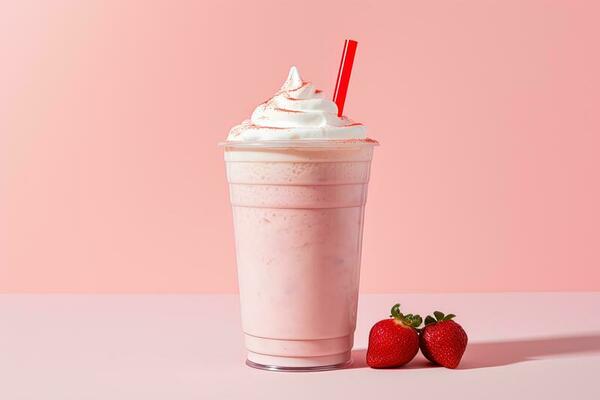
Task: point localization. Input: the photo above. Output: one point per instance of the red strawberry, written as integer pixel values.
(442, 340)
(393, 342)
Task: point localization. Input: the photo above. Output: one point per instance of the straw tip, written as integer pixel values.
(343, 79)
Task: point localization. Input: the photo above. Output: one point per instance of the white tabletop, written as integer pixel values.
(528, 345)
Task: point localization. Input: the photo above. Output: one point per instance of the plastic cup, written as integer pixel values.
(298, 211)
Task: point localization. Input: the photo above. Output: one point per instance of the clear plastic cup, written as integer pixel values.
(298, 209)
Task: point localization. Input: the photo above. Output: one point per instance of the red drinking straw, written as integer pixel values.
(343, 78)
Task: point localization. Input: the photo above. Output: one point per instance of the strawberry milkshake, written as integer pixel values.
(298, 177)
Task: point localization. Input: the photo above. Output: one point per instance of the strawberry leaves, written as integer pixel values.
(439, 317)
(412, 320)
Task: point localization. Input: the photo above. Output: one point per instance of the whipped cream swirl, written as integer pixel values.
(297, 111)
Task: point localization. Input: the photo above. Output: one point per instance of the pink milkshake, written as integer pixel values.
(298, 178)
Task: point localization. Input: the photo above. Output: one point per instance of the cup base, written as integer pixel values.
(283, 363)
(298, 355)
(298, 369)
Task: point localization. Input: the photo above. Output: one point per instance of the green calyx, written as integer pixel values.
(411, 320)
(438, 316)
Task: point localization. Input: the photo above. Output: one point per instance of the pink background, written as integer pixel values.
(487, 178)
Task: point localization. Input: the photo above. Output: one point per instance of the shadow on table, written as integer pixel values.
(495, 354)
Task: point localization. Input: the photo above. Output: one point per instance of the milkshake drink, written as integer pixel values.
(298, 178)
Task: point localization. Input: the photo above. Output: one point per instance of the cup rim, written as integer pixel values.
(300, 143)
